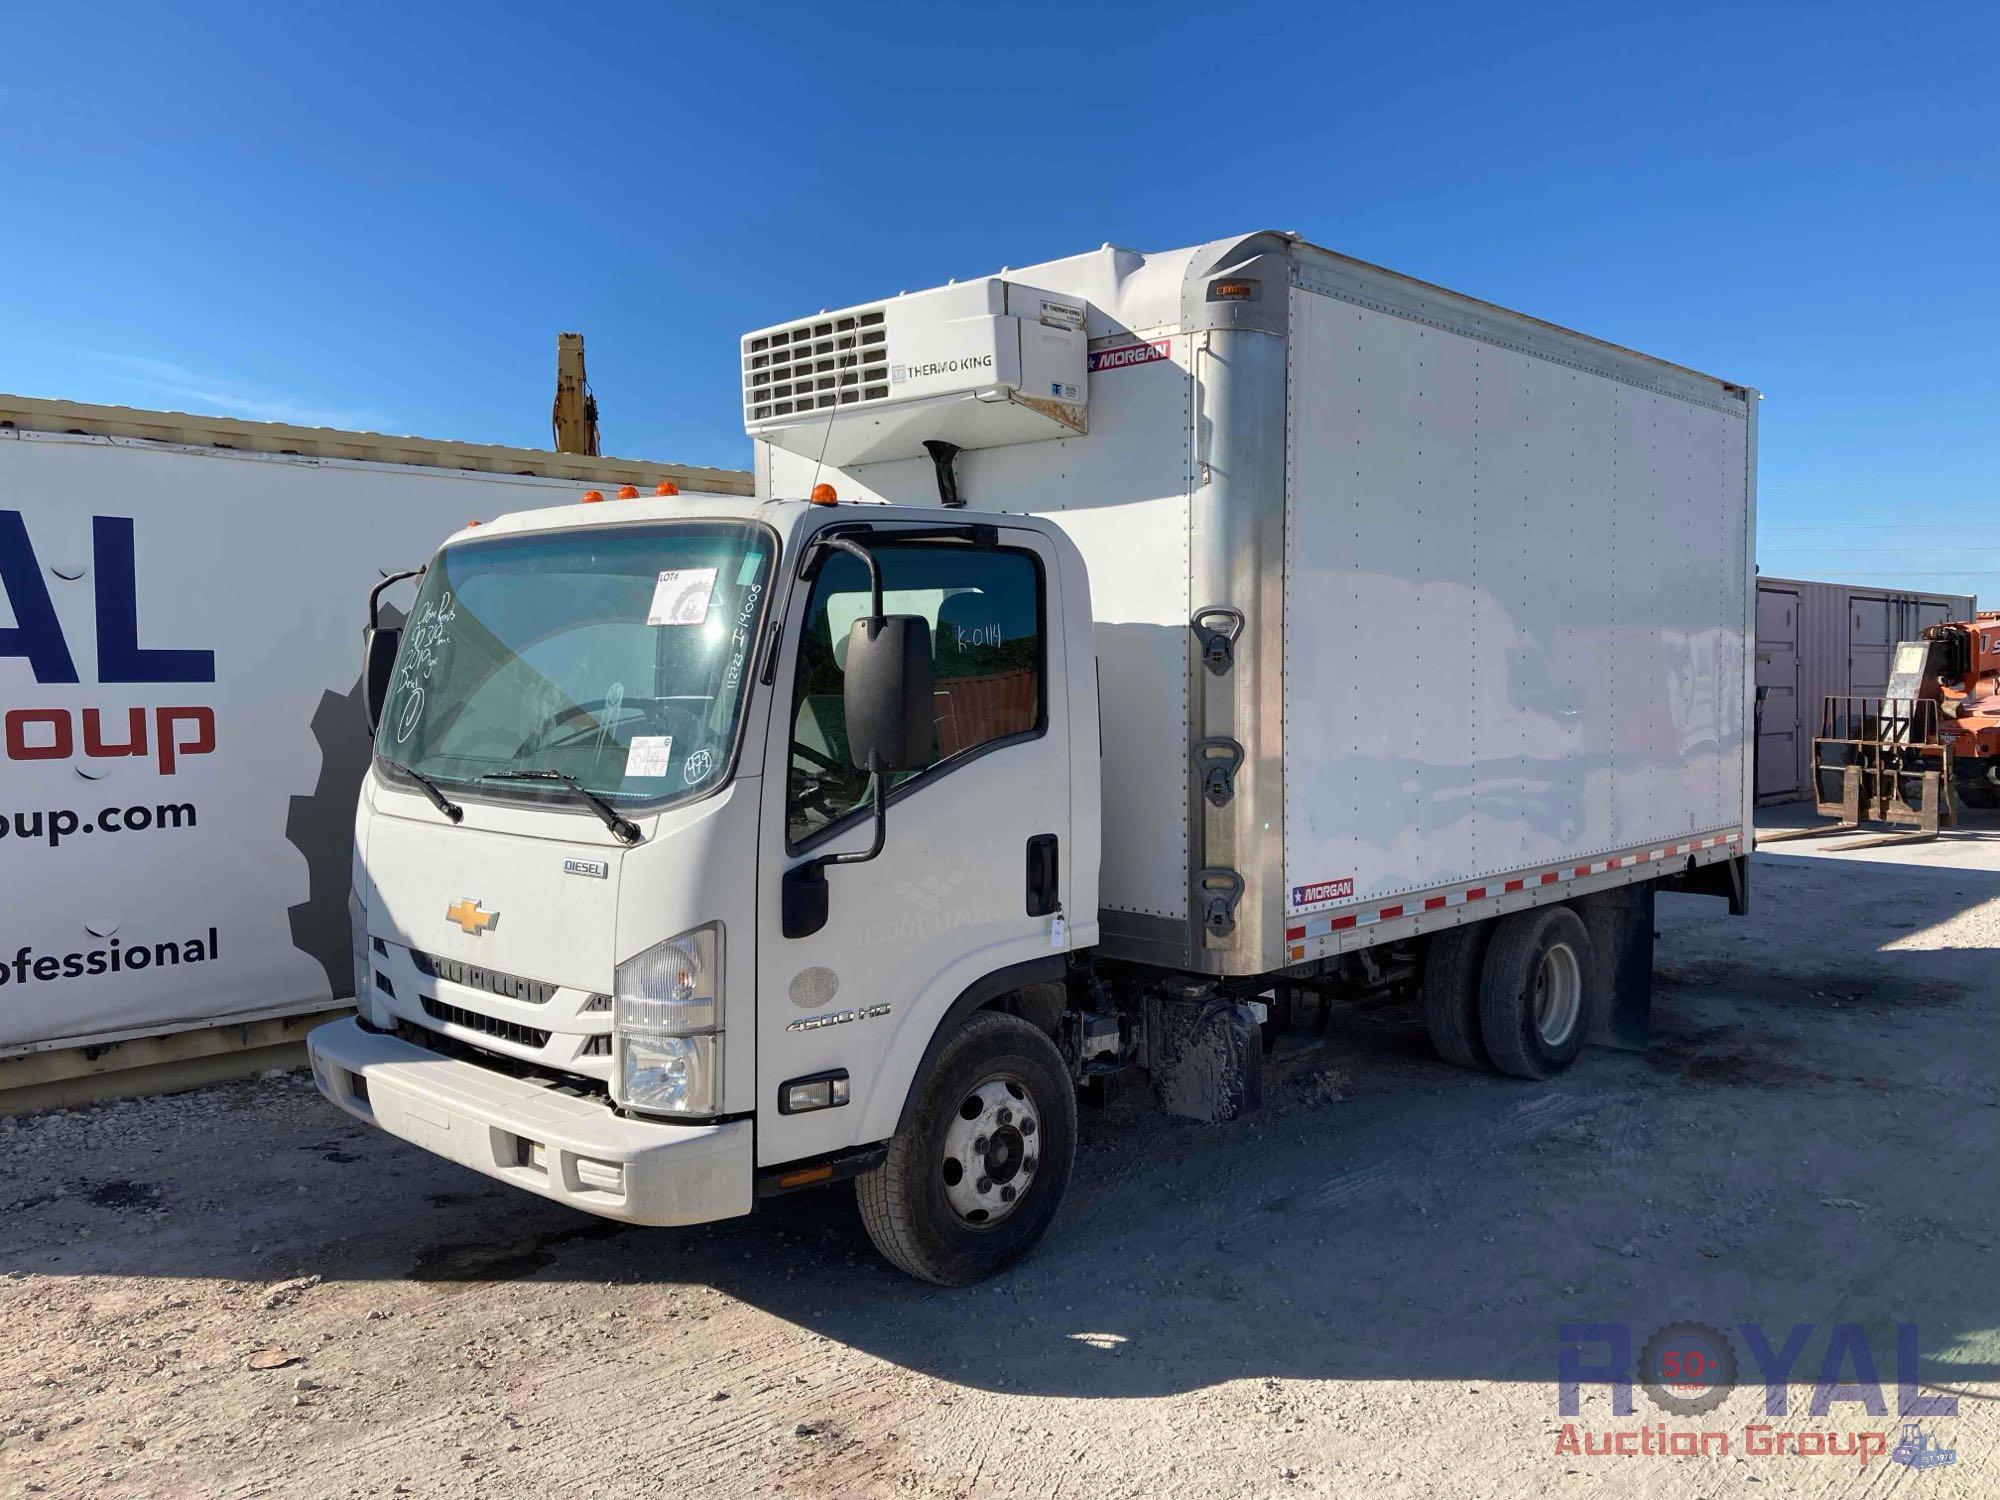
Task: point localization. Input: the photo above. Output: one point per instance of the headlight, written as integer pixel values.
(669, 1075)
(666, 1017)
(675, 986)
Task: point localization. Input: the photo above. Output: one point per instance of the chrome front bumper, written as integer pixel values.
(576, 1151)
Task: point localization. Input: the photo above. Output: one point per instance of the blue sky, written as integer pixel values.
(380, 216)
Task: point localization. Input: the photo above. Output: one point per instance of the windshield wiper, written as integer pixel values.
(431, 790)
(622, 828)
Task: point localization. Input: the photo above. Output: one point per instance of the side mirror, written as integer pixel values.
(888, 693)
(378, 667)
(889, 728)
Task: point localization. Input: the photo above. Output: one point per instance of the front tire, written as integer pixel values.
(973, 1182)
(1537, 992)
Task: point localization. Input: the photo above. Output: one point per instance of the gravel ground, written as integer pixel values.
(241, 1292)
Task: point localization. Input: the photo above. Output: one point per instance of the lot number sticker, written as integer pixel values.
(649, 754)
(681, 597)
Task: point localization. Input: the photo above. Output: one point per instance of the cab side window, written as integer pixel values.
(985, 611)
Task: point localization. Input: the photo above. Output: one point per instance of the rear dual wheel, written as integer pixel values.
(1448, 994)
(1517, 994)
(1535, 999)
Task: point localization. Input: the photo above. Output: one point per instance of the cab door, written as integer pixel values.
(972, 875)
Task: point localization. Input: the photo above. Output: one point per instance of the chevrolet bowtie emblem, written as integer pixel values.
(470, 918)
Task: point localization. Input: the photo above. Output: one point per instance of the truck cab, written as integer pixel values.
(633, 926)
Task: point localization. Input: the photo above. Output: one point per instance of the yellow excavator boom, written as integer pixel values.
(575, 418)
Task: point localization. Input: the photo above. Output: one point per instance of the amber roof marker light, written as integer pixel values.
(823, 494)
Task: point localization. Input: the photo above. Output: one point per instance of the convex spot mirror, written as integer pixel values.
(888, 693)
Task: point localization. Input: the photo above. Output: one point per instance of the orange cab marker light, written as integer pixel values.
(592, 497)
(628, 492)
(822, 494)
(667, 489)
(472, 523)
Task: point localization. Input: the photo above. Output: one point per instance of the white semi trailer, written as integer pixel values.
(180, 731)
(1117, 649)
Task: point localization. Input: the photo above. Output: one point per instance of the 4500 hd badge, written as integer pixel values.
(839, 1018)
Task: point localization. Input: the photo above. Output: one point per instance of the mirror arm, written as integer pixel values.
(375, 594)
(879, 786)
(878, 780)
(868, 561)
(368, 637)
(803, 903)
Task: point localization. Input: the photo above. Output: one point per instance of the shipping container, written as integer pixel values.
(1821, 640)
(1489, 578)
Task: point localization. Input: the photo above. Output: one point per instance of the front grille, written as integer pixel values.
(506, 986)
(597, 1046)
(506, 1031)
(816, 365)
(574, 1085)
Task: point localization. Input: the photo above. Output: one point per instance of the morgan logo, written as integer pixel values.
(1326, 890)
(1130, 354)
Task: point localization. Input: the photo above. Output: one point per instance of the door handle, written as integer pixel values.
(1042, 876)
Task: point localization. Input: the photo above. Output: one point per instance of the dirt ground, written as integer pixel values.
(1361, 1292)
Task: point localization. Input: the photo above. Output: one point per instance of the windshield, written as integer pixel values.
(616, 655)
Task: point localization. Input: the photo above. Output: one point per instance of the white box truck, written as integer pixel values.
(1117, 649)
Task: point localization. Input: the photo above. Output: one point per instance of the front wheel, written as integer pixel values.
(973, 1182)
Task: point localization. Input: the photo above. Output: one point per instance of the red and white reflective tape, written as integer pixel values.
(1324, 924)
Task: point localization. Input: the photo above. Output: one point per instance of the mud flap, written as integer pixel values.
(1730, 878)
(1206, 1056)
(1620, 924)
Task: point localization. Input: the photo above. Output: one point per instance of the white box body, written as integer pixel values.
(1495, 578)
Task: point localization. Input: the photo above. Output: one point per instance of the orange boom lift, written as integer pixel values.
(1965, 662)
